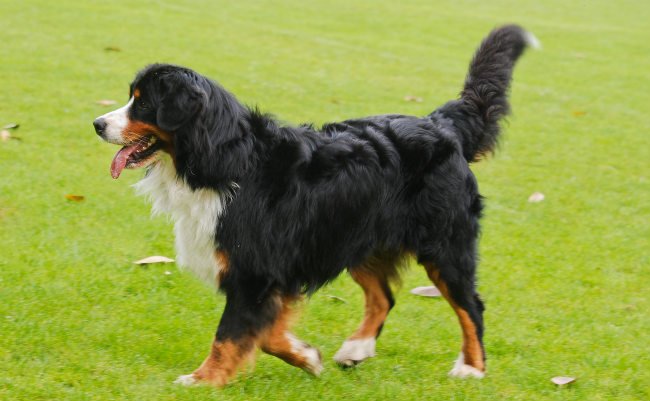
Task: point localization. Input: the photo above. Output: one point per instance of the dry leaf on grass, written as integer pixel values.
(413, 99)
(112, 49)
(76, 198)
(579, 113)
(11, 126)
(106, 102)
(562, 380)
(153, 259)
(536, 197)
(430, 291)
(335, 298)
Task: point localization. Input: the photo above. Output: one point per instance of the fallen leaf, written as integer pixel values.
(5, 135)
(430, 291)
(106, 102)
(562, 380)
(335, 298)
(536, 197)
(11, 126)
(413, 99)
(76, 198)
(154, 259)
(579, 55)
(579, 113)
(112, 49)
(335, 101)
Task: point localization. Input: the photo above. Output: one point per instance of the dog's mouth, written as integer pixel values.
(137, 154)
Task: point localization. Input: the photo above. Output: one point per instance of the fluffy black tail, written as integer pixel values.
(484, 99)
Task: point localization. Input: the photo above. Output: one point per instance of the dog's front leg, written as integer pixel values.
(243, 322)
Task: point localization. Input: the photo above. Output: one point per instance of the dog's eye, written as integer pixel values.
(143, 104)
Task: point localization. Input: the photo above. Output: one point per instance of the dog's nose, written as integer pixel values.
(100, 125)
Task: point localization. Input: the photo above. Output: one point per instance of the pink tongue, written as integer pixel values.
(120, 158)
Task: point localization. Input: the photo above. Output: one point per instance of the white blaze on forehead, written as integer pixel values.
(116, 122)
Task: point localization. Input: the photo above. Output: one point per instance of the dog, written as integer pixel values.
(269, 213)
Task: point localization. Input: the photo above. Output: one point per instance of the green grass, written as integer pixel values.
(565, 280)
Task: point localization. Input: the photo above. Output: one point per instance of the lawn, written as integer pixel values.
(565, 280)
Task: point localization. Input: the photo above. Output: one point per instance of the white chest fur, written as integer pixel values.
(194, 213)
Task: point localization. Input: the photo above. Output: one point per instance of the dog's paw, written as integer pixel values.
(186, 380)
(462, 370)
(314, 361)
(353, 352)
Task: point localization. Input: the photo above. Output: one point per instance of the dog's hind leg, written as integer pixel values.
(279, 341)
(460, 293)
(373, 279)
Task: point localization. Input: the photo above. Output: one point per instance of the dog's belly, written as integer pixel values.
(195, 214)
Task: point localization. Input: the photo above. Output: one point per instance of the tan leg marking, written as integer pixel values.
(472, 351)
(223, 362)
(223, 262)
(279, 341)
(376, 305)
(361, 344)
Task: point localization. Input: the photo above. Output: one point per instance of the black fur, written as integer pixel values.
(311, 203)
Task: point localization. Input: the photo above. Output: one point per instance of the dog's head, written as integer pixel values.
(175, 110)
(163, 99)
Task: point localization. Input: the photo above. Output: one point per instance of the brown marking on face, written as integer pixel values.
(225, 359)
(280, 342)
(136, 130)
(223, 262)
(472, 350)
(376, 304)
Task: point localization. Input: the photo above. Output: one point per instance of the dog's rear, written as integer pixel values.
(449, 203)
(483, 103)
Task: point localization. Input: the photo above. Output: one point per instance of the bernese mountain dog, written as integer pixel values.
(269, 213)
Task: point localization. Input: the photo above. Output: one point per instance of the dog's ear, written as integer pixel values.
(182, 100)
(212, 147)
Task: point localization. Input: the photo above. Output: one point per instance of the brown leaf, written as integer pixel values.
(154, 259)
(112, 49)
(562, 380)
(413, 99)
(11, 126)
(106, 102)
(76, 198)
(579, 113)
(536, 197)
(430, 291)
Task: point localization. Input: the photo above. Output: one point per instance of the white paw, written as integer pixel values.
(314, 361)
(462, 371)
(186, 380)
(354, 351)
(311, 354)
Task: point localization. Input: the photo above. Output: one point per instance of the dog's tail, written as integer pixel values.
(484, 99)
